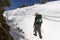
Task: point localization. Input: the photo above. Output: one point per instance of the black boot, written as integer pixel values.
(40, 37)
(35, 34)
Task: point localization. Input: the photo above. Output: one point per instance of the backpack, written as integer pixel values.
(38, 19)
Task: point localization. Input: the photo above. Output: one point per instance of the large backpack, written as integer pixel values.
(38, 19)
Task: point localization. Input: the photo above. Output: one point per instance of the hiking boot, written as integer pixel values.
(35, 34)
(40, 37)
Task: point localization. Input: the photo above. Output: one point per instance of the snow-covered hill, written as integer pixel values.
(23, 18)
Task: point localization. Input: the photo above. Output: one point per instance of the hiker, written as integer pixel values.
(37, 25)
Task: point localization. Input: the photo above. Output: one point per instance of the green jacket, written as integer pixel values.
(38, 20)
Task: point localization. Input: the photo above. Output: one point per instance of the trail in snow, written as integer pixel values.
(23, 18)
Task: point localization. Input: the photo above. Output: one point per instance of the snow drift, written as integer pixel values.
(21, 21)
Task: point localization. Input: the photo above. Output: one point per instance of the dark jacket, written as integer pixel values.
(38, 20)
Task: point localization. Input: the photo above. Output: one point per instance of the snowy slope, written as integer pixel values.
(23, 18)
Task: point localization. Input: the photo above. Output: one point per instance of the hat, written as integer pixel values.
(36, 13)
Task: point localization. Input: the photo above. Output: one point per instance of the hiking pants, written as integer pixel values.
(37, 28)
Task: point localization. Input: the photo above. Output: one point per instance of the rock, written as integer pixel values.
(4, 28)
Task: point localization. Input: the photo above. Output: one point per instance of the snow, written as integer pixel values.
(23, 18)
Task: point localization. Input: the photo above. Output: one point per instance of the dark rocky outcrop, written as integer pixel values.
(4, 28)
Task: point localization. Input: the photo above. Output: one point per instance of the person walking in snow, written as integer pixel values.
(37, 25)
